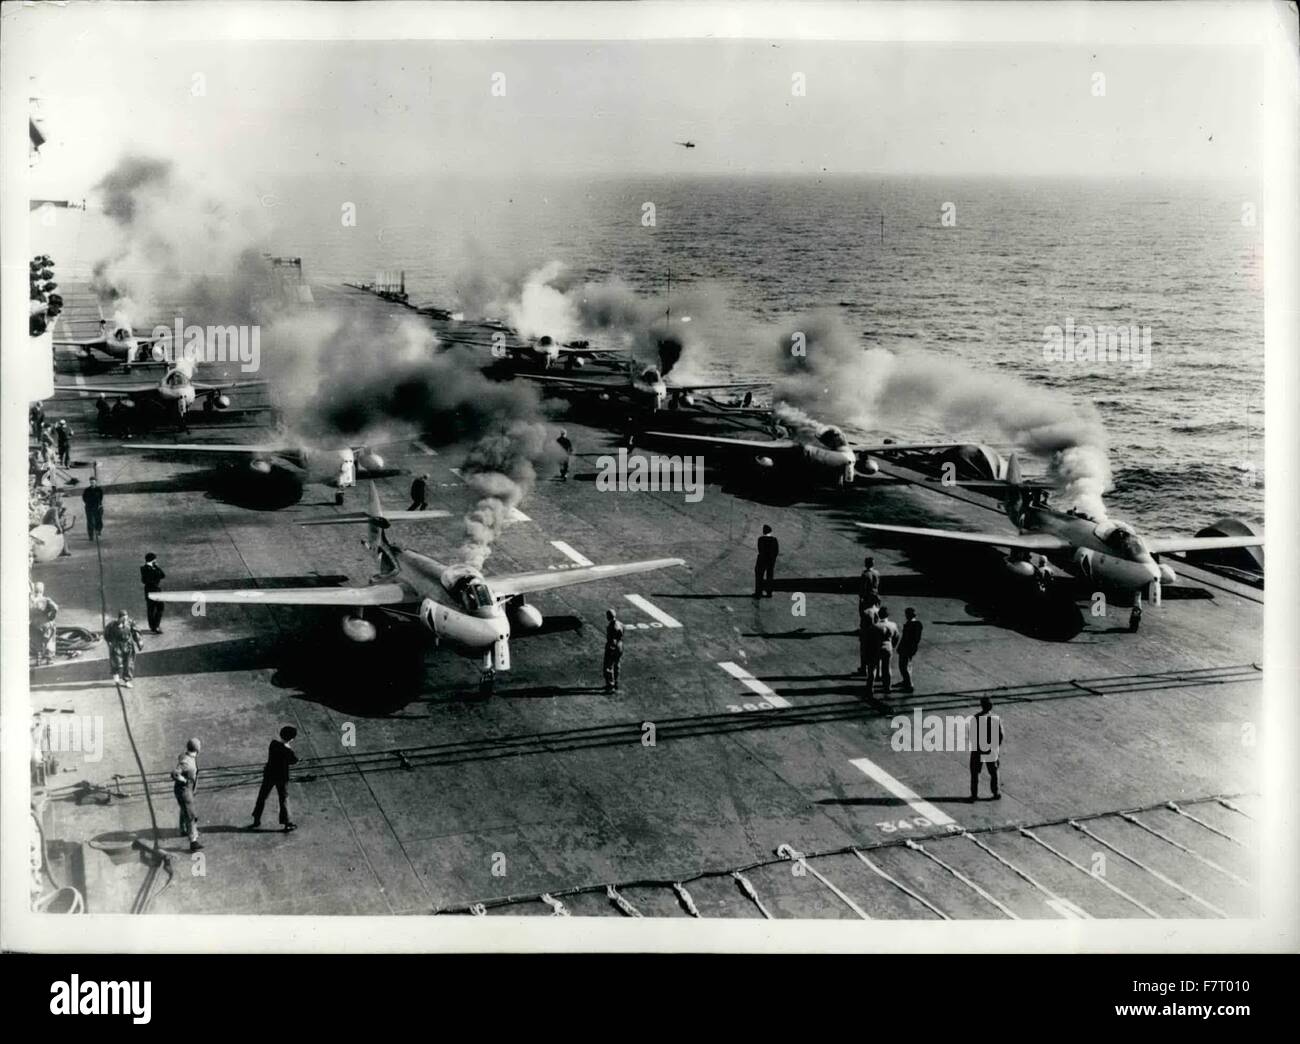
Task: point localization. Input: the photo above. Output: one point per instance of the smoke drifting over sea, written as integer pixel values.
(834, 377)
(180, 249)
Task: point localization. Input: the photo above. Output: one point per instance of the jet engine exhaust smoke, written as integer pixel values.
(502, 469)
(828, 371)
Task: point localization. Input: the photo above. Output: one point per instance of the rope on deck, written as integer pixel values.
(963, 879)
(798, 859)
(1095, 877)
(1150, 870)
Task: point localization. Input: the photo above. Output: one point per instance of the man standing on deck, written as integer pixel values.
(868, 584)
(765, 564)
(419, 494)
(123, 638)
(152, 576)
(185, 781)
(888, 631)
(985, 743)
(907, 648)
(275, 775)
(613, 650)
(63, 435)
(867, 646)
(567, 446)
(93, 499)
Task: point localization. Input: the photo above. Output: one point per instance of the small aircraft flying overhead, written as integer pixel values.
(1101, 550)
(648, 391)
(175, 392)
(685, 144)
(472, 614)
(117, 342)
(827, 457)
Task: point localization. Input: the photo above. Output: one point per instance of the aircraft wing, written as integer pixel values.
(89, 342)
(717, 440)
(202, 388)
(1025, 541)
(577, 382)
(119, 390)
(676, 385)
(545, 580)
(218, 448)
(374, 594)
(1160, 545)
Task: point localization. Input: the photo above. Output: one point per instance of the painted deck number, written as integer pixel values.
(736, 708)
(904, 824)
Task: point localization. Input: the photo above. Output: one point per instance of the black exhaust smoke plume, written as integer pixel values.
(829, 374)
(340, 382)
(179, 251)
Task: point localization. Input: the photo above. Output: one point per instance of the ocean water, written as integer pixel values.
(1016, 257)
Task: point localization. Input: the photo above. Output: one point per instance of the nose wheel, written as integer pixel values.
(487, 681)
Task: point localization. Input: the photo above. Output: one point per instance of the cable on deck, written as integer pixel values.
(748, 889)
(1130, 818)
(1052, 896)
(1095, 877)
(900, 886)
(1150, 870)
(798, 858)
(1201, 822)
(963, 879)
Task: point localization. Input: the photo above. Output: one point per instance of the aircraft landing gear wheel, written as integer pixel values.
(338, 498)
(209, 406)
(487, 682)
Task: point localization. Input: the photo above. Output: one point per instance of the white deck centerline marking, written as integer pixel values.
(1067, 909)
(650, 609)
(570, 554)
(455, 471)
(518, 516)
(901, 790)
(428, 451)
(753, 684)
(79, 380)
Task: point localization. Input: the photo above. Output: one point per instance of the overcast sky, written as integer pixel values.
(615, 107)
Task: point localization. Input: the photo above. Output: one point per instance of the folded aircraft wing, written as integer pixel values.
(577, 382)
(201, 387)
(718, 440)
(1024, 541)
(1160, 545)
(526, 583)
(361, 516)
(676, 385)
(374, 594)
(214, 448)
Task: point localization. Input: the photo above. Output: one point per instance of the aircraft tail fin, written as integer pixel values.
(1014, 477)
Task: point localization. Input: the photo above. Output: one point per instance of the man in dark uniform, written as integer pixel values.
(907, 648)
(888, 631)
(765, 563)
(123, 638)
(420, 494)
(36, 415)
(567, 446)
(613, 650)
(93, 499)
(275, 774)
(63, 435)
(152, 576)
(103, 414)
(868, 584)
(985, 748)
(867, 646)
(185, 781)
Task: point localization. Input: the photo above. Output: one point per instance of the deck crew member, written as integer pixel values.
(152, 576)
(985, 748)
(275, 774)
(908, 645)
(420, 494)
(868, 650)
(185, 781)
(765, 564)
(36, 417)
(93, 499)
(103, 415)
(613, 650)
(567, 447)
(868, 584)
(123, 638)
(889, 636)
(63, 435)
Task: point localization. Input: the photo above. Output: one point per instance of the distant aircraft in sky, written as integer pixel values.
(685, 144)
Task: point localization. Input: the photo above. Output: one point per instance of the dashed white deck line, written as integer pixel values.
(901, 790)
(428, 451)
(79, 380)
(753, 684)
(650, 609)
(518, 516)
(571, 554)
(456, 472)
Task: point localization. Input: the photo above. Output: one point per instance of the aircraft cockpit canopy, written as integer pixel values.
(472, 593)
(1121, 539)
(175, 379)
(121, 334)
(832, 438)
(651, 376)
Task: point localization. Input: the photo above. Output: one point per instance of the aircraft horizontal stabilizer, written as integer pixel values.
(375, 594)
(361, 516)
(526, 583)
(717, 440)
(1023, 541)
(1162, 545)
